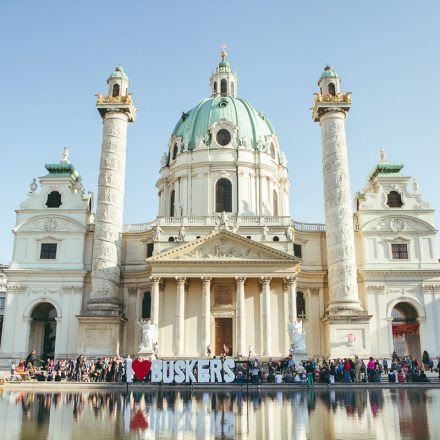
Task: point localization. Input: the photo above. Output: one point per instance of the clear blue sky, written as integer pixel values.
(56, 55)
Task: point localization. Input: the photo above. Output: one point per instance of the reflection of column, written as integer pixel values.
(268, 419)
(155, 301)
(266, 317)
(291, 294)
(180, 316)
(206, 314)
(240, 316)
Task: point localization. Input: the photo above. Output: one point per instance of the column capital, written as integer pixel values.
(133, 290)
(206, 280)
(265, 281)
(240, 280)
(180, 280)
(154, 279)
(291, 279)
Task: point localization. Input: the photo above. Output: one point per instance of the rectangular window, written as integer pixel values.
(399, 251)
(150, 249)
(2, 303)
(48, 251)
(297, 251)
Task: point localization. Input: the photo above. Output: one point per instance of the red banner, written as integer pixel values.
(404, 329)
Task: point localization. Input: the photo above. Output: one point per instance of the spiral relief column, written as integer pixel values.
(103, 311)
(330, 110)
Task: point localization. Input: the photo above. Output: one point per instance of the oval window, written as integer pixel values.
(223, 137)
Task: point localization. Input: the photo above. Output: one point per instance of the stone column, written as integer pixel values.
(266, 317)
(206, 314)
(104, 296)
(155, 301)
(180, 316)
(291, 295)
(240, 316)
(341, 258)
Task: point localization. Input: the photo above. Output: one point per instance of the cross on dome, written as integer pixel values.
(223, 53)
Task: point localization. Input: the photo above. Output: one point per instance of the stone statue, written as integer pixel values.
(164, 160)
(157, 231)
(182, 233)
(33, 186)
(289, 232)
(264, 233)
(297, 337)
(149, 337)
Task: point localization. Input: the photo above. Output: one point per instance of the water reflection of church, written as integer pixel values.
(329, 414)
(223, 263)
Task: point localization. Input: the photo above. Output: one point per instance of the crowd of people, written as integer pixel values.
(253, 371)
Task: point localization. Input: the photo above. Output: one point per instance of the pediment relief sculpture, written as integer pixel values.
(397, 224)
(221, 249)
(50, 224)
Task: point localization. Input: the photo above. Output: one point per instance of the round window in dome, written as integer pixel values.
(223, 137)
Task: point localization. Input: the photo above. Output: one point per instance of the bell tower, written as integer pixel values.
(102, 321)
(344, 315)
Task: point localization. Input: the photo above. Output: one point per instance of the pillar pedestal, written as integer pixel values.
(100, 336)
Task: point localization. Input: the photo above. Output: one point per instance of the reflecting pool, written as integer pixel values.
(299, 414)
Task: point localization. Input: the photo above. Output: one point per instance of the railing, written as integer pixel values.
(232, 220)
(308, 227)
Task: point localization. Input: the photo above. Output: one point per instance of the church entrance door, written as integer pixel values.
(223, 336)
(405, 326)
(43, 331)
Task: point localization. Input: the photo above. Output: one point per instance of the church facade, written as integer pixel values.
(223, 267)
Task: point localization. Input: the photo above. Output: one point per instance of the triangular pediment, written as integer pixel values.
(223, 246)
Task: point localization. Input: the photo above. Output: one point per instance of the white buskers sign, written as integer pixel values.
(196, 371)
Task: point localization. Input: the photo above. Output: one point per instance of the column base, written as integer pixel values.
(100, 336)
(346, 335)
(345, 308)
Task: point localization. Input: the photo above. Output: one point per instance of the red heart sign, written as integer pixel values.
(138, 422)
(141, 368)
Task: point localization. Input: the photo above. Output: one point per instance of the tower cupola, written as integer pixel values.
(223, 81)
(118, 83)
(330, 82)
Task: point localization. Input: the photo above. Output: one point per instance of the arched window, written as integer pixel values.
(223, 87)
(146, 306)
(223, 196)
(394, 199)
(215, 88)
(53, 200)
(300, 305)
(175, 151)
(115, 90)
(232, 89)
(275, 204)
(332, 89)
(172, 197)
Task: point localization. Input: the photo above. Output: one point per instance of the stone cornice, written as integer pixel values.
(48, 273)
(430, 272)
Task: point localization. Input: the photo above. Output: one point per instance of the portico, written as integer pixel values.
(204, 303)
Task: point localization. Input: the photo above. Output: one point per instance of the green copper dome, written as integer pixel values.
(252, 124)
(117, 73)
(329, 73)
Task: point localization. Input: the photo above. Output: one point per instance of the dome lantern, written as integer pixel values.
(223, 81)
(329, 82)
(118, 83)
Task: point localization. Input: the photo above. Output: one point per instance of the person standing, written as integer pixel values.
(371, 367)
(357, 369)
(128, 369)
